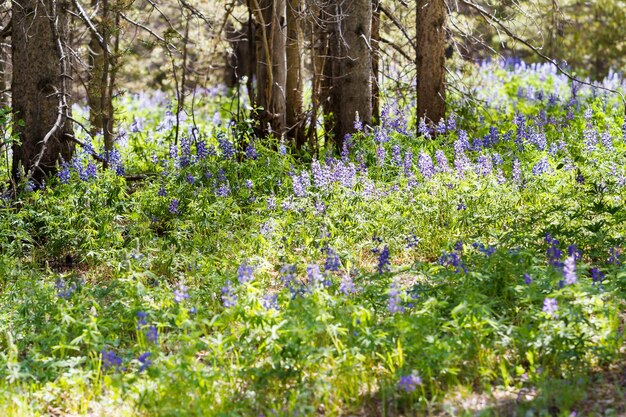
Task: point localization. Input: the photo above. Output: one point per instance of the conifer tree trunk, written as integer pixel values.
(430, 59)
(41, 87)
(375, 61)
(271, 64)
(352, 67)
(294, 73)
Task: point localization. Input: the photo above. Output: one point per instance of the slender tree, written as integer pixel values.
(271, 64)
(430, 59)
(294, 118)
(351, 60)
(41, 87)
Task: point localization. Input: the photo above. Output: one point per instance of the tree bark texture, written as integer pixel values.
(271, 64)
(375, 61)
(430, 59)
(294, 73)
(40, 87)
(351, 56)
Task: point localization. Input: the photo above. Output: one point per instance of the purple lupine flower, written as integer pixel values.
(596, 276)
(346, 286)
(111, 360)
(624, 131)
(441, 127)
(92, 171)
(550, 306)
(64, 290)
(452, 122)
(64, 173)
(442, 161)
(251, 152)
(144, 361)
(227, 147)
(408, 163)
(137, 125)
(229, 298)
(423, 129)
(332, 262)
(394, 300)
(190, 179)
(271, 203)
(453, 259)
(180, 294)
(270, 301)
(174, 206)
(223, 190)
(412, 241)
(607, 141)
(528, 279)
(614, 256)
(380, 155)
(320, 174)
(483, 165)
(396, 155)
(249, 184)
(539, 140)
(497, 159)
(541, 167)
(553, 252)
(461, 161)
(516, 174)
(299, 186)
(383, 261)
(425, 165)
(152, 333)
(245, 272)
(569, 270)
(141, 319)
(409, 383)
(314, 275)
(320, 207)
(162, 192)
(572, 250)
(282, 149)
(201, 149)
(590, 135)
(462, 143)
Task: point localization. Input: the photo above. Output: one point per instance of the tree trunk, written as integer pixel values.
(352, 67)
(271, 64)
(95, 86)
(41, 87)
(430, 59)
(375, 62)
(294, 73)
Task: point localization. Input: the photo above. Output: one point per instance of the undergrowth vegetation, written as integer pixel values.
(238, 277)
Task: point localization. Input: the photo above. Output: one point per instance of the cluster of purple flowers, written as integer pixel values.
(229, 298)
(409, 383)
(453, 259)
(181, 294)
(64, 289)
(151, 332)
(394, 300)
(245, 272)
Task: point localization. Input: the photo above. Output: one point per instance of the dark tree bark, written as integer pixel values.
(294, 73)
(40, 87)
(430, 59)
(95, 87)
(375, 61)
(351, 57)
(271, 64)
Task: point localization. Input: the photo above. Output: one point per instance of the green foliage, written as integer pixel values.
(104, 269)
